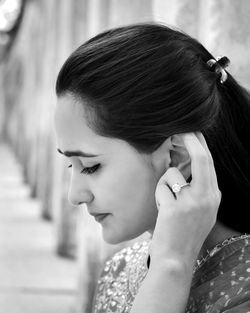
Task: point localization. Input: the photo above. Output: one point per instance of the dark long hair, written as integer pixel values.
(146, 82)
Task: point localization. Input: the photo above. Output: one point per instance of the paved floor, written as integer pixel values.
(32, 277)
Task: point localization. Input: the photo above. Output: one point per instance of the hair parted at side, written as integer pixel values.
(146, 82)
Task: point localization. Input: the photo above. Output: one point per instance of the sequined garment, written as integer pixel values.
(121, 279)
(220, 282)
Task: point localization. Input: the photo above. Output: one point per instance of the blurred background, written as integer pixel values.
(51, 253)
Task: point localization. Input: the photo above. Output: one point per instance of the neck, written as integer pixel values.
(218, 234)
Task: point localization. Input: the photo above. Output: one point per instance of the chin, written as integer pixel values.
(114, 238)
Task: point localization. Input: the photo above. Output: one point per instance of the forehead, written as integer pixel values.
(70, 112)
(73, 132)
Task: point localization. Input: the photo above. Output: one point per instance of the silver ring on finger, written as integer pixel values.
(176, 188)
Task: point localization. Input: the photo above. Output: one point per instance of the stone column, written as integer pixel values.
(129, 11)
(64, 214)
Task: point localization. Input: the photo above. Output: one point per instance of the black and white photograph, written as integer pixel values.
(124, 156)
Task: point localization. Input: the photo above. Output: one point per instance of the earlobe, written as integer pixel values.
(180, 157)
(161, 158)
(185, 168)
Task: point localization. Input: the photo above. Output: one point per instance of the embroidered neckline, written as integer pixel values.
(126, 270)
(200, 262)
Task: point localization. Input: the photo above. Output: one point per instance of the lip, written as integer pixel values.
(100, 217)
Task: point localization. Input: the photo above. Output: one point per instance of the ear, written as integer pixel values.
(179, 156)
(172, 153)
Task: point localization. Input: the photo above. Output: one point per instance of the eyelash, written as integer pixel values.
(88, 170)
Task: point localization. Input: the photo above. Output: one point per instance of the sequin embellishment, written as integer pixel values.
(121, 279)
(126, 270)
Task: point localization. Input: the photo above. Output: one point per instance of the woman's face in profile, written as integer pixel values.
(107, 174)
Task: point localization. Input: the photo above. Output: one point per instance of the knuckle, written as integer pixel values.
(216, 197)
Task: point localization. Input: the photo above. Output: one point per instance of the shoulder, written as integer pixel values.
(121, 260)
(132, 253)
(223, 284)
(120, 276)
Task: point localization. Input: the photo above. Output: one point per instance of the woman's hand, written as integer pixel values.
(186, 218)
(184, 221)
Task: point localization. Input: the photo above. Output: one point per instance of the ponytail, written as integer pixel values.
(230, 146)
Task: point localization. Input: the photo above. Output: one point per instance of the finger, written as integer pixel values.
(164, 194)
(199, 162)
(174, 176)
(214, 181)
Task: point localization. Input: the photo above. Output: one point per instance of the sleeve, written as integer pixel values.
(121, 278)
(109, 280)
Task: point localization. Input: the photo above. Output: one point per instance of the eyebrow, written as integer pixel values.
(77, 153)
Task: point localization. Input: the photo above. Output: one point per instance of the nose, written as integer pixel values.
(79, 192)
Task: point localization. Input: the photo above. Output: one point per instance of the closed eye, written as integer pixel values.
(88, 170)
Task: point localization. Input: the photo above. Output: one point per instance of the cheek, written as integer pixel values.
(129, 195)
(125, 186)
(117, 186)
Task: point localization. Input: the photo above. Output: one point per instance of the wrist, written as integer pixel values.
(172, 266)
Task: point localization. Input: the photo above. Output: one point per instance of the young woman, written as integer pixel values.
(157, 133)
